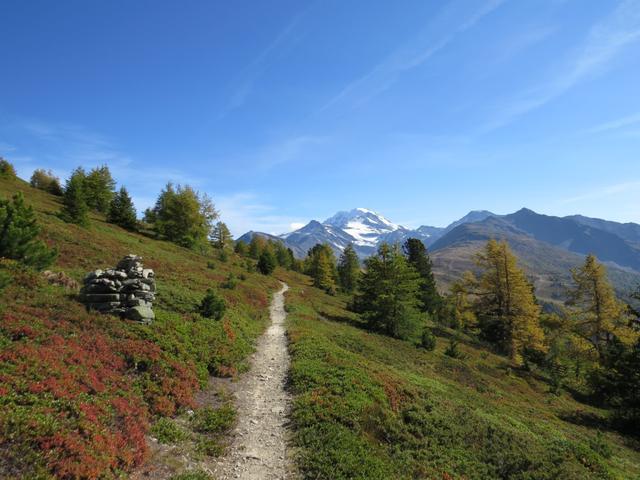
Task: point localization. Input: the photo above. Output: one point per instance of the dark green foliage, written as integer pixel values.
(122, 211)
(616, 383)
(223, 256)
(211, 265)
(18, 235)
(167, 431)
(74, 201)
(211, 420)
(231, 282)
(452, 349)
(182, 216)
(387, 294)
(428, 340)
(6, 169)
(418, 257)
(47, 181)
(256, 246)
(212, 306)
(241, 248)
(348, 269)
(99, 189)
(267, 262)
(5, 280)
(284, 256)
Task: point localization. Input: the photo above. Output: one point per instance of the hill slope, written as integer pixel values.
(370, 407)
(78, 389)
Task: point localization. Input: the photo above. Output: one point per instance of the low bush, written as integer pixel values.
(168, 431)
(212, 306)
(212, 420)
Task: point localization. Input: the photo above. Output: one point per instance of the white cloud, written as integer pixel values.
(603, 43)
(296, 225)
(620, 123)
(604, 192)
(421, 49)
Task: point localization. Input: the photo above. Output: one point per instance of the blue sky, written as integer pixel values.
(286, 111)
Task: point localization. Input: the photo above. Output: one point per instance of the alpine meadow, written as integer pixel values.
(320, 240)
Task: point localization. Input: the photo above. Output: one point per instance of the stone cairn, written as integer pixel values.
(126, 290)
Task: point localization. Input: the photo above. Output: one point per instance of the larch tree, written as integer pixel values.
(387, 296)
(348, 269)
(320, 265)
(99, 189)
(221, 236)
(256, 246)
(506, 307)
(599, 315)
(122, 212)
(418, 257)
(182, 216)
(47, 181)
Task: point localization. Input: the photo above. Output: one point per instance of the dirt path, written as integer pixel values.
(259, 447)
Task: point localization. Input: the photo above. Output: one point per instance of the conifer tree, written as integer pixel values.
(418, 257)
(460, 304)
(267, 262)
(320, 265)
(348, 269)
(221, 236)
(6, 169)
(47, 181)
(241, 248)
(599, 315)
(122, 211)
(99, 189)
(256, 246)
(74, 204)
(182, 216)
(507, 310)
(18, 235)
(387, 297)
(282, 254)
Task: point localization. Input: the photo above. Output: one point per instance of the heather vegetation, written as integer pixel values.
(79, 390)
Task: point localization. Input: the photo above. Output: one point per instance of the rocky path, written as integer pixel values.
(259, 447)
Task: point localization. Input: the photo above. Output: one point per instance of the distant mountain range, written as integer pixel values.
(547, 246)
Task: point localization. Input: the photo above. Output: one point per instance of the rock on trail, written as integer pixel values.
(259, 447)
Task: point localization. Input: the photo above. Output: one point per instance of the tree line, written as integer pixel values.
(592, 341)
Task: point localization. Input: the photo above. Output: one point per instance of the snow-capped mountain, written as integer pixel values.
(363, 228)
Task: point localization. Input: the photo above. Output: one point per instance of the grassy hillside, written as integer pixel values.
(78, 390)
(549, 267)
(371, 407)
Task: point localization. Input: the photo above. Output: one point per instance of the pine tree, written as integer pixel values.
(387, 297)
(348, 269)
(122, 211)
(74, 204)
(212, 306)
(282, 254)
(507, 309)
(320, 265)
(599, 315)
(221, 236)
(267, 262)
(418, 257)
(18, 235)
(99, 189)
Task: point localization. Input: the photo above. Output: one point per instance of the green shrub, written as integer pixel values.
(452, 349)
(211, 420)
(600, 445)
(231, 282)
(223, 256)
(211, 265)
(428, 341)
(167, 431)
(210, 447)
(5, 280)
(212, 306)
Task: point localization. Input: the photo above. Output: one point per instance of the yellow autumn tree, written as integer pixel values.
(461, 305)
(506, 306)
(598, 315)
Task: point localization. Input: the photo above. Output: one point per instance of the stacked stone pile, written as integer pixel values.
(127, 290)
